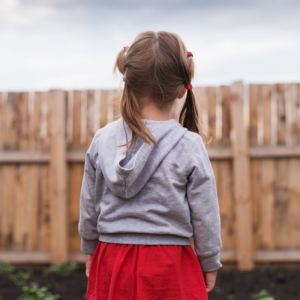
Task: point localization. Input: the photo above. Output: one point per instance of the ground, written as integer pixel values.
(282, 284)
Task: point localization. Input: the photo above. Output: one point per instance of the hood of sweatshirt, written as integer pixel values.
(126, 174)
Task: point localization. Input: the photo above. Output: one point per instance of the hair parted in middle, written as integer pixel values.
(156, 67)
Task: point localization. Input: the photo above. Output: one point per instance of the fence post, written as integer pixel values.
(58, 176)
(241, 175)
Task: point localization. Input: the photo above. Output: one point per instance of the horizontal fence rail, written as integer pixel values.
(254, 151)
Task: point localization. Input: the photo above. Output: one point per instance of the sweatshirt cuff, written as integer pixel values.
(89, 246)
(210, 263)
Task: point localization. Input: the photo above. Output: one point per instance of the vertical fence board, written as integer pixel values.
(266, 203)
(253, 115)
(76, 145)
(280, 236)
(33, 174)
(226, 122)
(10, 132)
(241, 180)
(255, 179)
(103, 108)
(44, 209)
(19, 215)
(75, 179)
(295, 114)
(212, 105)
(281, 117)
(90, 118)
(45, 121)
(7, 226)
(58, 168)
(293, 238)
(267, 114)
(293, 172)
(226, 204)
(20, 220)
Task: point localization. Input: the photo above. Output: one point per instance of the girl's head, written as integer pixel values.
(156, 67)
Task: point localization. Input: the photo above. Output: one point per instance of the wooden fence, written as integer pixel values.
(255, 154)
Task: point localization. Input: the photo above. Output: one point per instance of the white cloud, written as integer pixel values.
(73, 44)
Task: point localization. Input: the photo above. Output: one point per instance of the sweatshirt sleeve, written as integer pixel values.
(204, 206)
(88, 217)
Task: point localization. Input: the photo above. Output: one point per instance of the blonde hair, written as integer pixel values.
(156, 66)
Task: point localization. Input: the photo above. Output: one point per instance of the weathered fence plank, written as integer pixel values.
(58, 179)
(241, 174)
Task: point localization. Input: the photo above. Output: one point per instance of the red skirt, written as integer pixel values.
(145, 272)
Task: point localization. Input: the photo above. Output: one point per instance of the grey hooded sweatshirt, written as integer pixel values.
(153, 195)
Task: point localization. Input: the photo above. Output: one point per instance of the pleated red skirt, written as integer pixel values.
(145, 272)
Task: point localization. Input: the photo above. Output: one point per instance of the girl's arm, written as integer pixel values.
(204, 206)
(87, 226)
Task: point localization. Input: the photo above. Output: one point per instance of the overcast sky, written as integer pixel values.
(72, 44)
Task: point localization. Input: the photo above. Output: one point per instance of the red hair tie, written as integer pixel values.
(188, 87)
(190, 54)
(126, 47)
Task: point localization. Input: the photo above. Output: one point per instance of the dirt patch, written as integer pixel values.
(72, 287)
(282, 284)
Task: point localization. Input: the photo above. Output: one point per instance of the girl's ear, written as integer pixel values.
(181, 94)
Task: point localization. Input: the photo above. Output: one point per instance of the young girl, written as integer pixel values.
(148, 185)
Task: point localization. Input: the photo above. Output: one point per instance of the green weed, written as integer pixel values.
(32, 291)
(6, 269)
(218, 290)
(61, 269)
(263, 295)
(275, 269)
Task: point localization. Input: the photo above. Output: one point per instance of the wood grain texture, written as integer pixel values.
(266, 204)
(44, 209)
(58, 169)
(281, 114)
(255, 179)
(295, 114)
(75, 179)
(293, 213)
(212, 106)
(281, 196)
(267, 114)
(226, 204)
(226, 118)
(253, 114)
(76, 133)
(103, 108)
(90, 118)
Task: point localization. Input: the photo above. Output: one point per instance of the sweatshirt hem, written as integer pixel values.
(143, 238)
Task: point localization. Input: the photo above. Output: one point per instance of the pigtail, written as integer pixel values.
(129, 107)
(189, 115)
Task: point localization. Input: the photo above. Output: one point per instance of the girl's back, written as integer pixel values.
(150, 182)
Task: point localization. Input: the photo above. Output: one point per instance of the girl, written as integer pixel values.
(148, 185)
